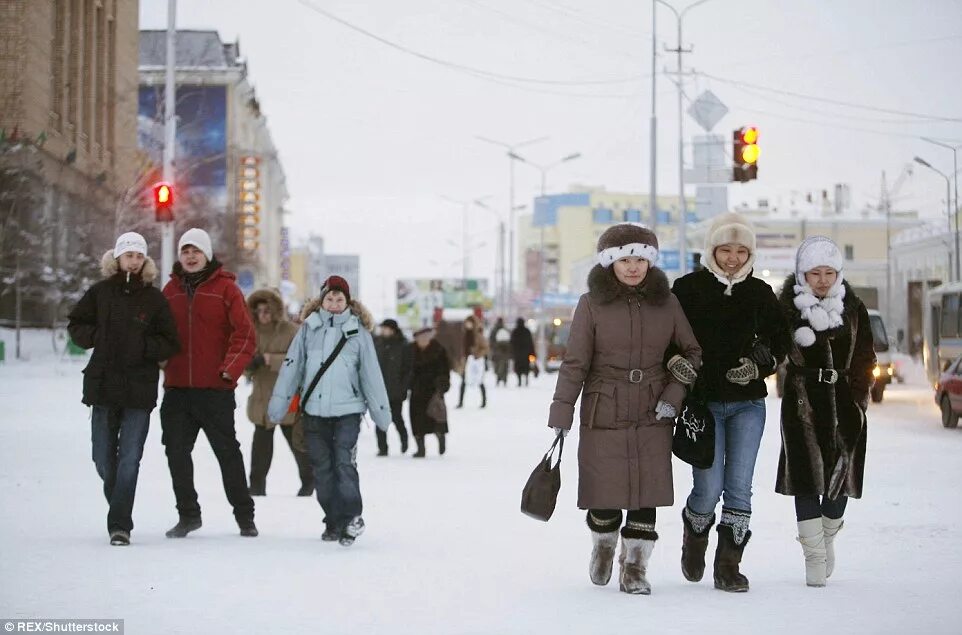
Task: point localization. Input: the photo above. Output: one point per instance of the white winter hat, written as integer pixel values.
(130, 242)
(817, 251)
(198, 238)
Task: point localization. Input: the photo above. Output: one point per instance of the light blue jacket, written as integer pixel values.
(351, 385)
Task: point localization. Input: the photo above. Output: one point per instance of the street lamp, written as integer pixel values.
(948, 209)
(465, 206)
(955, 174)
(682, 232)
(510, 147)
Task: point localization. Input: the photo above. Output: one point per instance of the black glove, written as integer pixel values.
(762, 356)
(256, 362)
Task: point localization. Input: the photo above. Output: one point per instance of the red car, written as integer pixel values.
(948, 393)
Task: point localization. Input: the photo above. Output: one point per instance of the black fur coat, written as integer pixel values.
(824, 425)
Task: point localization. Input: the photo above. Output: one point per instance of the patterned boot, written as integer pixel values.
(694, 543)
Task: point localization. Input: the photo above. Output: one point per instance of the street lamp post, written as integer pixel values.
(955, 208)
(167, 255)
(682, 229)
(465, 257)
(948, 210)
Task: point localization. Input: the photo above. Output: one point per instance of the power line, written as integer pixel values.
(578, 17)
(462, 67)
(827, 100)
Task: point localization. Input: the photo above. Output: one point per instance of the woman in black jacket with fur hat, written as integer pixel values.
(743, 335)
(830, 365)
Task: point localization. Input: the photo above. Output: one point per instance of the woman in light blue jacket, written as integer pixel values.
(332, 414)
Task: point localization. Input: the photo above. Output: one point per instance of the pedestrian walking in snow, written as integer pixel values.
(127, 321)
(499, 342)
(215, 328)
(620, 333)
(522, 350)
(830, 363)
(336, 338)
(395, 356)
(741, 327)
(474, 362)
(430, 377)
(274, 336)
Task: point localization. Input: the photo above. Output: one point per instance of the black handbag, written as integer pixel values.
(436, 410)
(540, 493)
(694, 440)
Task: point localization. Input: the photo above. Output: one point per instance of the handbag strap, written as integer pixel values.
(323, 369)
(559, 442)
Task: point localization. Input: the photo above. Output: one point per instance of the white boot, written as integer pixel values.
(602, 556)
(635, 554)
(812, 537)
(830, 526)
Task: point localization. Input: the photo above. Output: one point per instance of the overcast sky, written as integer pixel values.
(372, 137)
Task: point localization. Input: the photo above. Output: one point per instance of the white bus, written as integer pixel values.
(942, 328)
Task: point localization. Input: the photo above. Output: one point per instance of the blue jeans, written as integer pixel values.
(117, 436)
(332, 448)
(738, 433)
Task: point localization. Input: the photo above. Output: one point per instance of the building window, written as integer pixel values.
(849, 252)
(632, 215)
(602, 216)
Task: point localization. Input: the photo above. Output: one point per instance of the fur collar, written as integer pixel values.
(355, 307)
(810, 315)
(109, 267)
(273, 300)
(730, 281)
(604, 287)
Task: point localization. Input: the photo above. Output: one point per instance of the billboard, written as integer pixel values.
(418, 298)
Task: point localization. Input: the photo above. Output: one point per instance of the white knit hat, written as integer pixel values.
(817, 251)
(130, 242)
(198, 238)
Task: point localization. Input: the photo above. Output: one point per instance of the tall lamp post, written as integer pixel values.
(465, 257)
(167, 255)
(948, 210)
(510, 147)
(955, 208)
(683, 220)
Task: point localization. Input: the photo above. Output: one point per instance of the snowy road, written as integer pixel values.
(446, 550)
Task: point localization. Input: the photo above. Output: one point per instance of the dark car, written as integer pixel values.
(948, 393)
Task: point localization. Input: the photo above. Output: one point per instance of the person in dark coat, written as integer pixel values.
(499, 341)
(431, 374)
(740, 325)
(615, 361)
(395, 357)
(830, 364)
(522, 348)
(128, 323)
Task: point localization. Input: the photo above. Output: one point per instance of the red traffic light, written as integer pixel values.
(750, 134)
(163, 202)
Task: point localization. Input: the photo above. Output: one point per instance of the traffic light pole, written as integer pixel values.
(170, 133)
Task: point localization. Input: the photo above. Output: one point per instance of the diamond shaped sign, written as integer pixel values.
(707, 110)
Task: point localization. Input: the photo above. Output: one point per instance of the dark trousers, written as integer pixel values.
(484, 393)
(332, 448)
(117, 436)
(398, 418)
(185, 412)
(262, 453)
(809, 507)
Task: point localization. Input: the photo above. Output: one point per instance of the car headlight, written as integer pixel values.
(876, 372)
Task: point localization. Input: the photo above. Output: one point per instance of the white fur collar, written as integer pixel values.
(821, 314)
(730, 281)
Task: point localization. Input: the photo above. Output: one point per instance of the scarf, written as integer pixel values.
(821, 314)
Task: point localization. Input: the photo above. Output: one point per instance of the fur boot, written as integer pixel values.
(728, 557)
(635, 555)
(830, 526)
(693, 548)
(602, 556)
(812, 537)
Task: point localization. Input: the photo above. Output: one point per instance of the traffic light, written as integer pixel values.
(164, 202)
(745, 163)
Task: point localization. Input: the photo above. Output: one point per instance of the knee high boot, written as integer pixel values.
(419, 440)
(694, 544)
(604, 540)
(830, 527)
(635, 555)
(728, 556)
(484, 396)
(812, 537)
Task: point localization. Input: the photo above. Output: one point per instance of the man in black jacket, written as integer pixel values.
(395, 358)
(128, 323)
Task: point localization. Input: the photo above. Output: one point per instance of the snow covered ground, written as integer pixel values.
(446, 549)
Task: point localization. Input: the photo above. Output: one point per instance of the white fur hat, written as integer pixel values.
(730, 228)
(198, 238)
(130, 242)
(817, 251)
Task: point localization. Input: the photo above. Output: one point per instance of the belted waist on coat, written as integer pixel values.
(822, 375)
(629, 375)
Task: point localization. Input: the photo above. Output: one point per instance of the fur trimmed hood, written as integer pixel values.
(605, 288)
(355, 307)
(273, 300)
(109, 267)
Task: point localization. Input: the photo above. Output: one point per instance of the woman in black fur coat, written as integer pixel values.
(431, 374)
(830, 367)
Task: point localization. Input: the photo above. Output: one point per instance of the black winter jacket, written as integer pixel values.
(726, 327)
(130, 327)
(395, 357)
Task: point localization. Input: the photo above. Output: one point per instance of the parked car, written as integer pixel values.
(948, 393)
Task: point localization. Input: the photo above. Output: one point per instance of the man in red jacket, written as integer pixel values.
(218, 341)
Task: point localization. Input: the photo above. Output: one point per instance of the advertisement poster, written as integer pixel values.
(417, 298)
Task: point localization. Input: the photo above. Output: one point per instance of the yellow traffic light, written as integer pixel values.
(750, 154)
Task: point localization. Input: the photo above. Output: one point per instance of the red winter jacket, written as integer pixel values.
(215, 331)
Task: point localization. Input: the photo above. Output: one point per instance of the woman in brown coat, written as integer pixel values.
(474, 344)
(620, 333)
(274, 336)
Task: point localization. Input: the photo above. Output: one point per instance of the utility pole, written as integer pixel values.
(955, 208)
(653, 134)
(167, 255)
